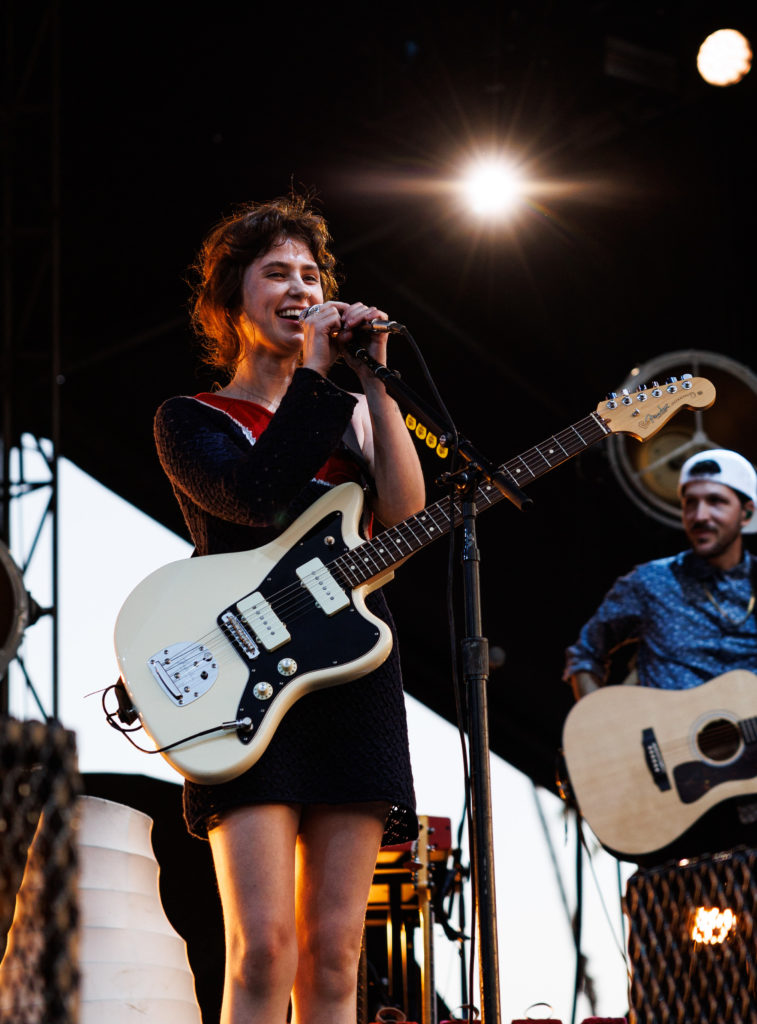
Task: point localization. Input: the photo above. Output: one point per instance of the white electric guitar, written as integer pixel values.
(214, 650)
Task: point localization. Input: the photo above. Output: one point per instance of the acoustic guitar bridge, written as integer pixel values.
(655, 762)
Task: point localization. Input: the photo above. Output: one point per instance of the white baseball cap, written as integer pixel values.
(733, 470)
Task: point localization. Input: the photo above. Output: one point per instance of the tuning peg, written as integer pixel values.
(641, 387)
(686, 376)
(671, 380)
(611, 396)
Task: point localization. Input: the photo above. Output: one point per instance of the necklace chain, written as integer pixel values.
(730, 618)
(271, 402)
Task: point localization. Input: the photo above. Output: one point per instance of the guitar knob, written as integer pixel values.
(287, 667)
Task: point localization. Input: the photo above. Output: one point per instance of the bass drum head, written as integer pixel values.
(649, 472)
(14, 608)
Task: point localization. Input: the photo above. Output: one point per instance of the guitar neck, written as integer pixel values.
(379, 555)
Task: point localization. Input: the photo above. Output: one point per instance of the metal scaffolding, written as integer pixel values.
(31, 272)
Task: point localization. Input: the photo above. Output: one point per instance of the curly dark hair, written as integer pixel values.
(249, 231)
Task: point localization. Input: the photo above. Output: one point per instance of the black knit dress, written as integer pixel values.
(239, 486)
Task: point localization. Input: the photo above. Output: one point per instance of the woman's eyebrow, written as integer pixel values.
(285, 264)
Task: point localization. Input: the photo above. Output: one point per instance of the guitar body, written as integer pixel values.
(212, 670)
(644, 764)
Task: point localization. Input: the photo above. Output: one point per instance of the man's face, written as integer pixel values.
(713, 516)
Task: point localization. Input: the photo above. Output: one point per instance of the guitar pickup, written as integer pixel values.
(655, 762)
(324, 589)
(265, 624)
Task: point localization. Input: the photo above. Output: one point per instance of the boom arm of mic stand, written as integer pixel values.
(409, 401)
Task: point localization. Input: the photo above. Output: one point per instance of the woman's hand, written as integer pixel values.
(321, 328)
(328, 326)
(374, 341)
(380, 426)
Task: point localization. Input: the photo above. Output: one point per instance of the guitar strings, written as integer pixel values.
(684, 746)
(570, 441)
(294, 600)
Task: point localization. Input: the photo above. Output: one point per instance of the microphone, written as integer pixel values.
(381, 326)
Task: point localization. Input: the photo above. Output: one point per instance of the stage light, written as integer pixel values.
(711, 926)
(724, 57)
(492, 187)
(692, 958)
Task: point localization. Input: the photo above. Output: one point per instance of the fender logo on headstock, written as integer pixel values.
(627, 412)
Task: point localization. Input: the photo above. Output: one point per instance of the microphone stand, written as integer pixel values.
(475, 665)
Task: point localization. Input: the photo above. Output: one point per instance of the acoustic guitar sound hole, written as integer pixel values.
(719, 740)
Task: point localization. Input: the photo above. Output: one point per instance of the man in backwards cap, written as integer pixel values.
(692, 614)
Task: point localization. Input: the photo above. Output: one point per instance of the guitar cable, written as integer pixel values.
(128, 713)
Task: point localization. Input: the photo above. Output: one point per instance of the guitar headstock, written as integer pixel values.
(643, 411)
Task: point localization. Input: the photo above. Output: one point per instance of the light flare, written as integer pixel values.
(493, 187)
(711, 926)
(724, 57)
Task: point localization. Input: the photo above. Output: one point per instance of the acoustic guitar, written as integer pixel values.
(645, 764)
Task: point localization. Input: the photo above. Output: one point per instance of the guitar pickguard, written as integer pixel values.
(316, 640)
(695, 778)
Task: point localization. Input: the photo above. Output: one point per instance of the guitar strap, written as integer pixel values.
(350, 441)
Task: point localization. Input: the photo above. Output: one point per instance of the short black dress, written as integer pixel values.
(241, 475)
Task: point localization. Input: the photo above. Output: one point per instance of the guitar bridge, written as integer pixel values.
(184, 671)
(240, 636)
(655, 762)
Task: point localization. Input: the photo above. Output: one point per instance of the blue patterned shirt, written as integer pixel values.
(685, 636)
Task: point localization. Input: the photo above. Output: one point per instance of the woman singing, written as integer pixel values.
(295, 838)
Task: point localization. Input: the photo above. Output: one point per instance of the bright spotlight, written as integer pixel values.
(724, 57)
(492, 187)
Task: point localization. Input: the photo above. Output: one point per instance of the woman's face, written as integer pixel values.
(276, 287)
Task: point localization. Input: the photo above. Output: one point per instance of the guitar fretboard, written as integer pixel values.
(384, 551)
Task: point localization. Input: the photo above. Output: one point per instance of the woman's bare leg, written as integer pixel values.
(254, 856)
(336, 858)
